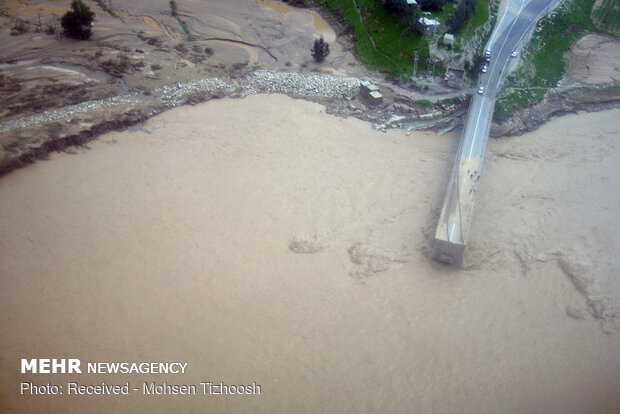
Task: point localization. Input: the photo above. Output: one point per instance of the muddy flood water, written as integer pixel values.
(264, 241)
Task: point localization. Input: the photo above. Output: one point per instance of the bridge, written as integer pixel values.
(456, 215)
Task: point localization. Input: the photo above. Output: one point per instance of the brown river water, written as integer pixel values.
(264, 241)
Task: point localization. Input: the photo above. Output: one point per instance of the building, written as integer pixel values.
(430, 25)
(448, 39)
(370, 92)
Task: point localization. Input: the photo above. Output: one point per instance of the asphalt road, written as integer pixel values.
(457, 211)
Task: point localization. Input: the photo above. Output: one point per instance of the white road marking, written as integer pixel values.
(471, 149)
(498, 25)
(453, 225)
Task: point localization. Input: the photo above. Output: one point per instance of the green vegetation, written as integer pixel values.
(183, 25)
(422, 103)
(518, 98)
(175, 13)
(607, 16)
(475, 25)
(320, 50)
(54, 129)
(543, 66)
(444, 14)
(383, 41)
(464, 12)
(454, 101)
(388, 35)
(480, 16)
(77, 22)
(117, 67)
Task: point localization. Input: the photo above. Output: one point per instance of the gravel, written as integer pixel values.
(177, 93)
(307, 85)
(299, 85)
(70, 111)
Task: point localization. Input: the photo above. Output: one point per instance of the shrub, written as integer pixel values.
(54, 128)
(473, 68)
(320, 50)
(398, 7)
(464, 11)
(297, 3)
(431, 5)
(19, 28)
(77, 22)
(117, 67)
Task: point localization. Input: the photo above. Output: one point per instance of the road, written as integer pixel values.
(456, 214)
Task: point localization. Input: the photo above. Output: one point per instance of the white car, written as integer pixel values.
(481, 90)
(514, 54)
(485, 68)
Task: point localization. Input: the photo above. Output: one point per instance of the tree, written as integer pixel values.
(431, 5)
(320, 50)
(473, 68)
(416, 27)
(464, 11)
(77, 22)
(398, 7)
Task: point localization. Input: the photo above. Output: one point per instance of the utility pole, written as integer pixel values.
(56, 28)
(415, 64)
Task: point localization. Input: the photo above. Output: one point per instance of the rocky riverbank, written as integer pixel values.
(27, 139)
(557, 103)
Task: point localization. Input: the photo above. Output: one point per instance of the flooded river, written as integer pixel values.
(264, 241)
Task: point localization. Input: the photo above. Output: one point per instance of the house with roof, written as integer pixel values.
(430, 25)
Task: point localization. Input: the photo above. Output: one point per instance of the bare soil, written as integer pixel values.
(137, 47)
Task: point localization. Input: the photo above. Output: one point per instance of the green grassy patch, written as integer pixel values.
(444, 14)
(481, 15)
(382, 41)
(473, 26)
(182, 24)
(422, 103)
(543, 65)
(607, 16)
(517, 99)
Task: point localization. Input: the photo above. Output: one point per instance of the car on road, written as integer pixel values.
(481, 90)
(487, 55)
(485, 68)
(514, 54)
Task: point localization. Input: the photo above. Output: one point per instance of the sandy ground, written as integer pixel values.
(261, 240)
(594, 59)
(238, 34)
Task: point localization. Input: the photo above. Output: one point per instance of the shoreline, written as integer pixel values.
(340, 98)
